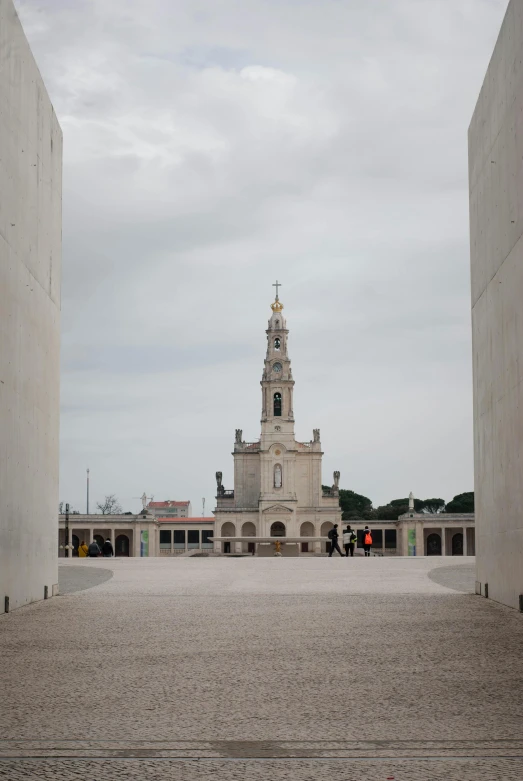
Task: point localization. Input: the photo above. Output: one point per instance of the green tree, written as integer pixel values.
(389, 512)
(433, 506)
(418, 504)
(354, 505)
(462, 503)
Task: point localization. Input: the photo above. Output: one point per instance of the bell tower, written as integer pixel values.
(277, 420)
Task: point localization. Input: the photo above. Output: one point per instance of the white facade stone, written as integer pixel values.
(496, 244)
(30, 278)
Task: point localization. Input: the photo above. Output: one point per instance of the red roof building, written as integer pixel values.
(170, 519)
(170, 509)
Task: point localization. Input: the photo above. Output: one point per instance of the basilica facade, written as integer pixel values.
(278, 500)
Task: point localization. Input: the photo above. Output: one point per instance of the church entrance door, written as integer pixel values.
(278, 529)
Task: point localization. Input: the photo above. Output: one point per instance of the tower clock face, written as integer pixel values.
(276, 367)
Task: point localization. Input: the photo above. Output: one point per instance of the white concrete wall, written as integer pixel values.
(496, 226)
(30, 268)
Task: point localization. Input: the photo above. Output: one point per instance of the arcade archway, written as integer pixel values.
(121, 545)
(434, 545)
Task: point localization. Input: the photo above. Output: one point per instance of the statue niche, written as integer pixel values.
(277, 476)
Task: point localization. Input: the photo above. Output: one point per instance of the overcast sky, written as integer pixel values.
(212, 146)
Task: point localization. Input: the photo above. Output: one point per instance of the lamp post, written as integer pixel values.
(87, 491)
(67, 530)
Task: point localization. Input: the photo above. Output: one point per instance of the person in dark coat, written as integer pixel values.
(107, 549)
(94, 550)
(349, 540)
(333, 537)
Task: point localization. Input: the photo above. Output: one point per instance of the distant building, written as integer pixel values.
(413, 534)
(277, 480)
(170, 509)
(140, 535)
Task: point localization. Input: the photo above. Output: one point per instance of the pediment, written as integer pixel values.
(278, 508)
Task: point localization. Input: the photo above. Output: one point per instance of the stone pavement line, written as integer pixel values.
(263, 770)
(250, 749)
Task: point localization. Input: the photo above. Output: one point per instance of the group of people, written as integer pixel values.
(92, 550)
(350, 539)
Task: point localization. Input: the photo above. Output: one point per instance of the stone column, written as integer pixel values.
(383, 541)
(113, 538)
(403, 539)
(69, 553)
(420, 539)
(465, 541)
(443, 541)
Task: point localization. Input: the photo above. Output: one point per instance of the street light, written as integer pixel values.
(67, 530)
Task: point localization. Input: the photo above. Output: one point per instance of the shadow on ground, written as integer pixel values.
(459, 578)
(72, 579)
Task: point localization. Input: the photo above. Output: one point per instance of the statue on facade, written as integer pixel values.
(221, 489)
(336, 479)
(239, 434)
(411, 501)
(144, 501)
(316, 434)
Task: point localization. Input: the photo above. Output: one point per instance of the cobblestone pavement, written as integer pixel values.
(262, 669)
(458, 578)
(73, 578)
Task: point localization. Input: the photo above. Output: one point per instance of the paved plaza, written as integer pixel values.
(252, 668)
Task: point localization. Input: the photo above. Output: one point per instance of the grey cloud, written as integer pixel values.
(210, 147)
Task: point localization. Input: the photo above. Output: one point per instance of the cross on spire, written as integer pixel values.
(277, 285)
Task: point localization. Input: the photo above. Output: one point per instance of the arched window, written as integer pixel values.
(277, 476)
(277, 343)
(277, 405)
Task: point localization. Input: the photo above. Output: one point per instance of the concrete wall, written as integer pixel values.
(30, 265)
(496, 226)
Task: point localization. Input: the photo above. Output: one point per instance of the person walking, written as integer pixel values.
(333, 537)
(107, 549)
(349, 540)
(94, 550)
(83, 550)
(367, 540)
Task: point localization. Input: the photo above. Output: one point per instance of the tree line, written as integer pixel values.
(356, 506)
(109, 506)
